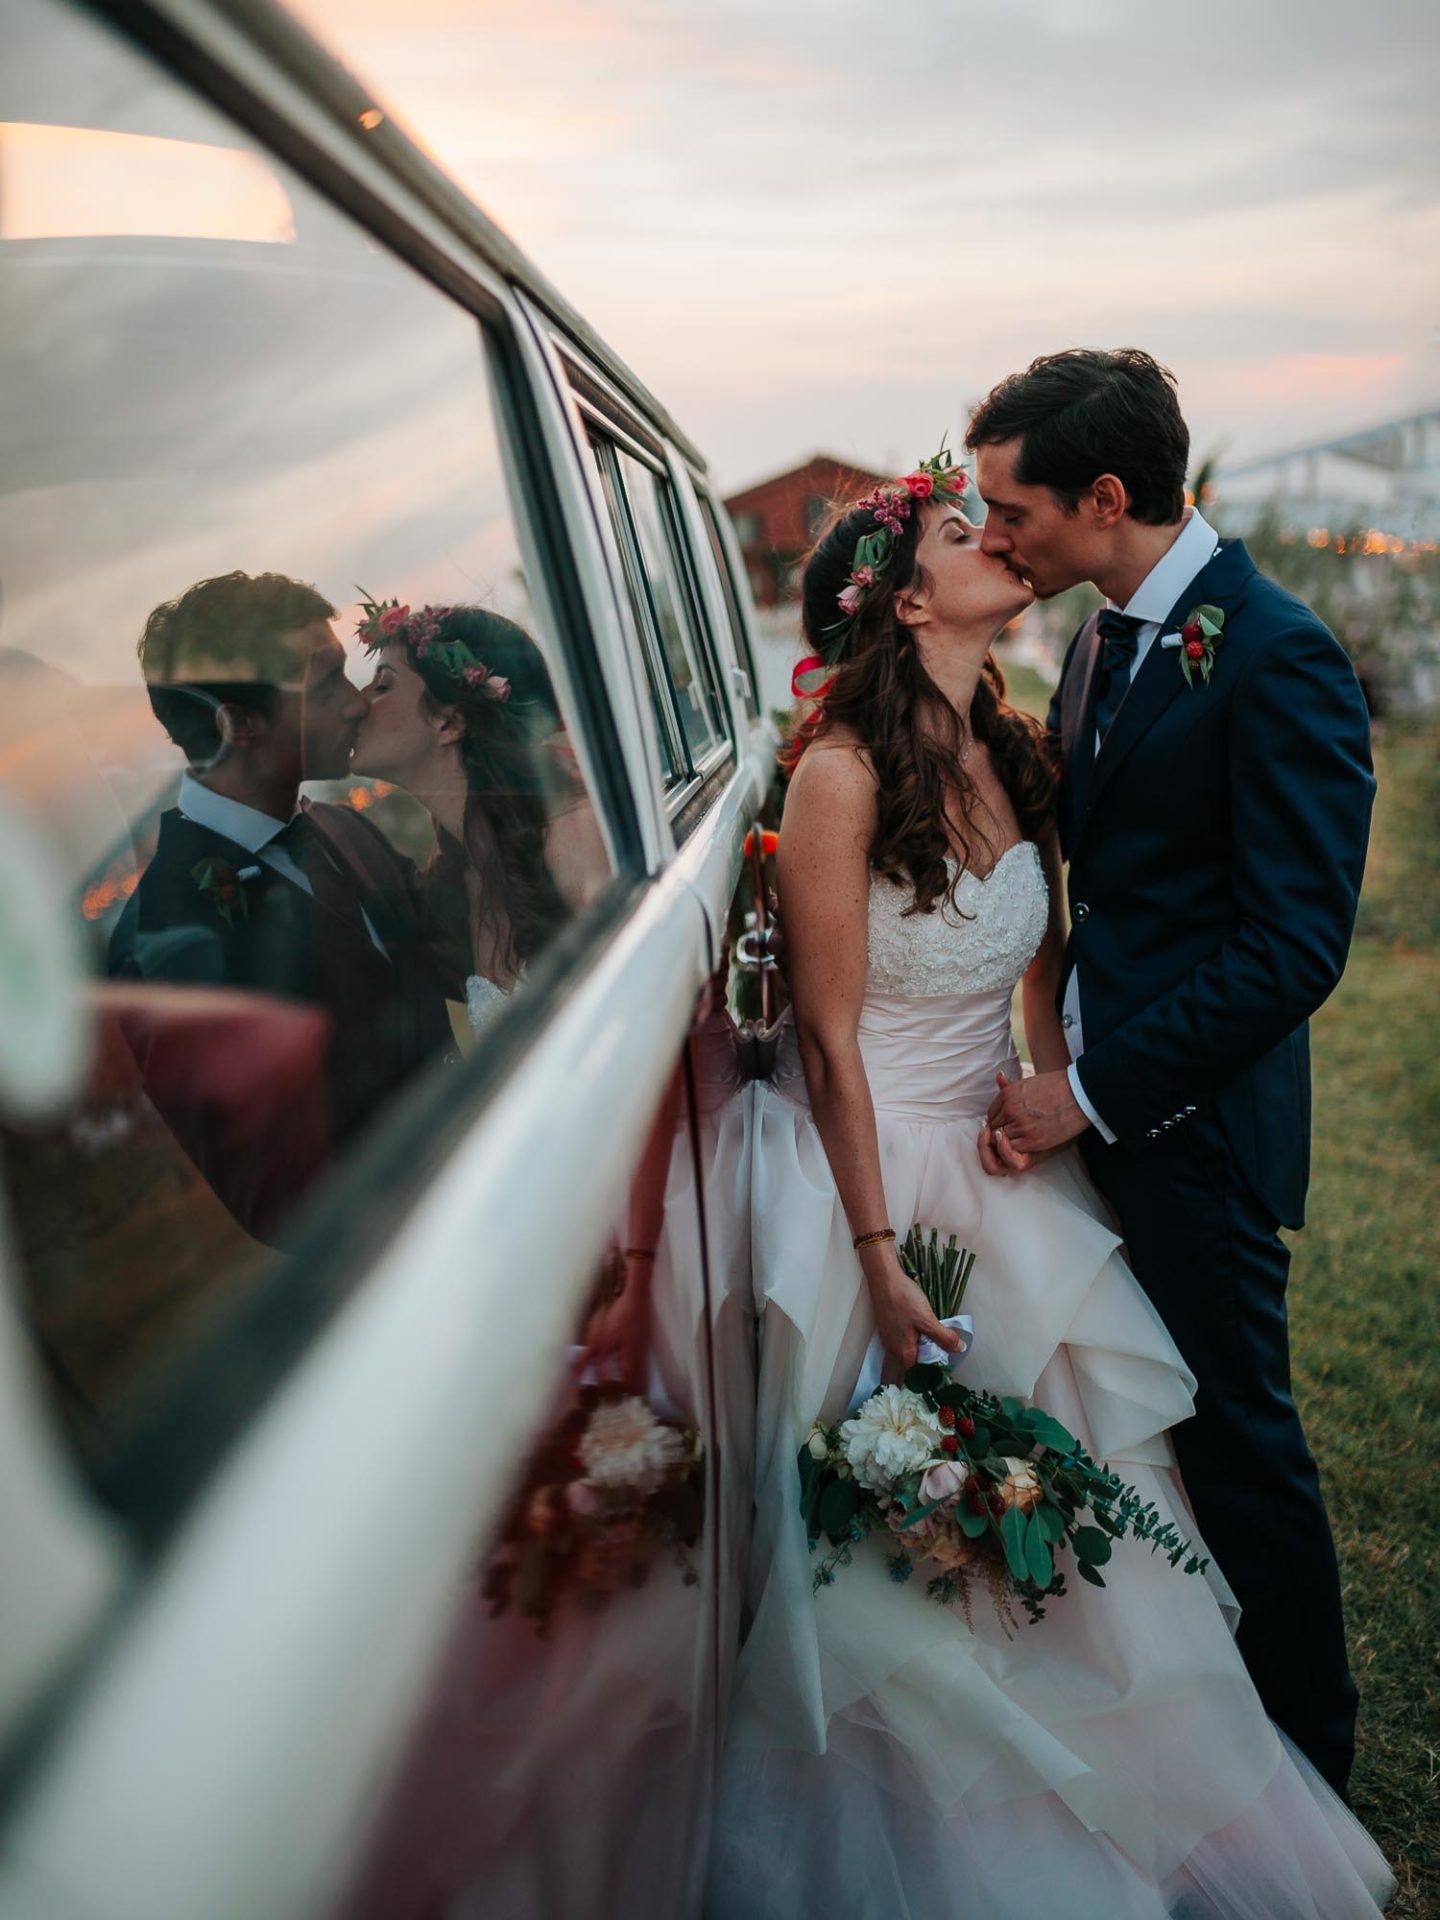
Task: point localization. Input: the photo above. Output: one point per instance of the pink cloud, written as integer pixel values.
(1317, 376)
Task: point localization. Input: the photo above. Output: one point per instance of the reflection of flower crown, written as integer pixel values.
(385, 622)
(937, 478)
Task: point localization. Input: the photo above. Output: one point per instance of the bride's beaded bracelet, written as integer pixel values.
(872, 1239)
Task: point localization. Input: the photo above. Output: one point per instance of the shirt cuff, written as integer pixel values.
(1083, 1100)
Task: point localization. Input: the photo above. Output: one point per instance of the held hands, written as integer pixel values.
(902, 1313)
(1028, 1121)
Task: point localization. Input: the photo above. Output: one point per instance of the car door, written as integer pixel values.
(291, 1414)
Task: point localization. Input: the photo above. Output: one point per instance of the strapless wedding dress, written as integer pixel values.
(1112, 1762)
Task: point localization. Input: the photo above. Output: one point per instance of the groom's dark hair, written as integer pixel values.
(223, 642)
(1083, 412)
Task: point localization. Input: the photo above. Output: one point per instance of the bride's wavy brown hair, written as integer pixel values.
(911, 733)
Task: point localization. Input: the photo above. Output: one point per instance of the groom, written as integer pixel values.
(1215, 808)
(298, 905)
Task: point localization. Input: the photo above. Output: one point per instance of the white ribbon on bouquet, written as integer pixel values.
(927, 1354)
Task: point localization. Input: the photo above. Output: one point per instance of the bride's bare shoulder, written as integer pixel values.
(837, 767)
(830, 809)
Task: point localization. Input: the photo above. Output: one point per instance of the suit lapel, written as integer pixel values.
(1159, 680)
(170, 894)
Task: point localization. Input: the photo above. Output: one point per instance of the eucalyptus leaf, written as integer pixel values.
(839, 1504)
(1088, 1572)
(1037, 1555)
(1049, 1432)
(1013, 1528)
(1051, 1523)
(920, 1513)
(1092, 1547)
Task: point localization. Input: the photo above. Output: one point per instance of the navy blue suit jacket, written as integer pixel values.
(1216, 848)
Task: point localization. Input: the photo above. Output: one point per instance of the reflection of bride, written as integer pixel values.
(886, 1756)
(461, 716)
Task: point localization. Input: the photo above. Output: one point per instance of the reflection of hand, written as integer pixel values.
(1037, 1113)
(775, 935)
(616, 1338)
(903, 1315)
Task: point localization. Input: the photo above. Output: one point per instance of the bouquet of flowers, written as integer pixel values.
(610, 1487)
(970, 1485)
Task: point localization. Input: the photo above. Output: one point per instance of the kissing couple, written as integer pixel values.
(345, 951)
(1206, 774)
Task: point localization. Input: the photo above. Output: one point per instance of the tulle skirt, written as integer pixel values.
(884, 1757)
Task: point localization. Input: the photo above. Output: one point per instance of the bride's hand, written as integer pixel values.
(903, 1314)
(997, 1156)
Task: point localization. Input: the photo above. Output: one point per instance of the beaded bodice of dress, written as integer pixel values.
(483, 1001)
(985, 946)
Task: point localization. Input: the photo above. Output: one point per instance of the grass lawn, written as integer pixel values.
(1363, 1313)
(1025, 688)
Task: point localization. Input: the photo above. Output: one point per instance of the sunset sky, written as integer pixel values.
(833, 225)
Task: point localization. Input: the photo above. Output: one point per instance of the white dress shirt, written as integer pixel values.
(1193, 548)
(255, 831)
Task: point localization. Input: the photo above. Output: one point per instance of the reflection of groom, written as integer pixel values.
(1215, 825)
(308, 904)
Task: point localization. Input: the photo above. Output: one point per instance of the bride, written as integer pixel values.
(886, 1757)
(460, 715)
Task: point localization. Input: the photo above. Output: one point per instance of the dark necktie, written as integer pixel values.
(1119, 638)
(333, 886)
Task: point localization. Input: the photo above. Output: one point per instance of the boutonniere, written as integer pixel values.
(222, 887)
(1197, 641)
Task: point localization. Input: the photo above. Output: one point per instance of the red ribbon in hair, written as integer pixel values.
(810, 664)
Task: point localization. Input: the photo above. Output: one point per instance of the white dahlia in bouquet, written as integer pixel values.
(967, 1484)
(893, 1434)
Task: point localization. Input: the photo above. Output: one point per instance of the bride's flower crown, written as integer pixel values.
(386, 623)
(937, 478)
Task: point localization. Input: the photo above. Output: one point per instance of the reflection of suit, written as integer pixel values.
(383, 997)
(1216, 843)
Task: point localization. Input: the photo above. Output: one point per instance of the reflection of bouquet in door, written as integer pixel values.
(610, 1487)
(967, 1485)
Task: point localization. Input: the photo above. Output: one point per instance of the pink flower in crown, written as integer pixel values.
(863, 576)
(849, 599)
(498, 687)
(393, 618)
(919, 485)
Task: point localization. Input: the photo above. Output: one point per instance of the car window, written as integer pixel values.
(689, 712)
(730, 595)
(669, 737)
(297, 788)
(692, 677)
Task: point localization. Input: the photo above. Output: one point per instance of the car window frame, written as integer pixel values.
(600, 411)
(729, 576)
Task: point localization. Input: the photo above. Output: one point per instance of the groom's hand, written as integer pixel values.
(1036, 1114)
